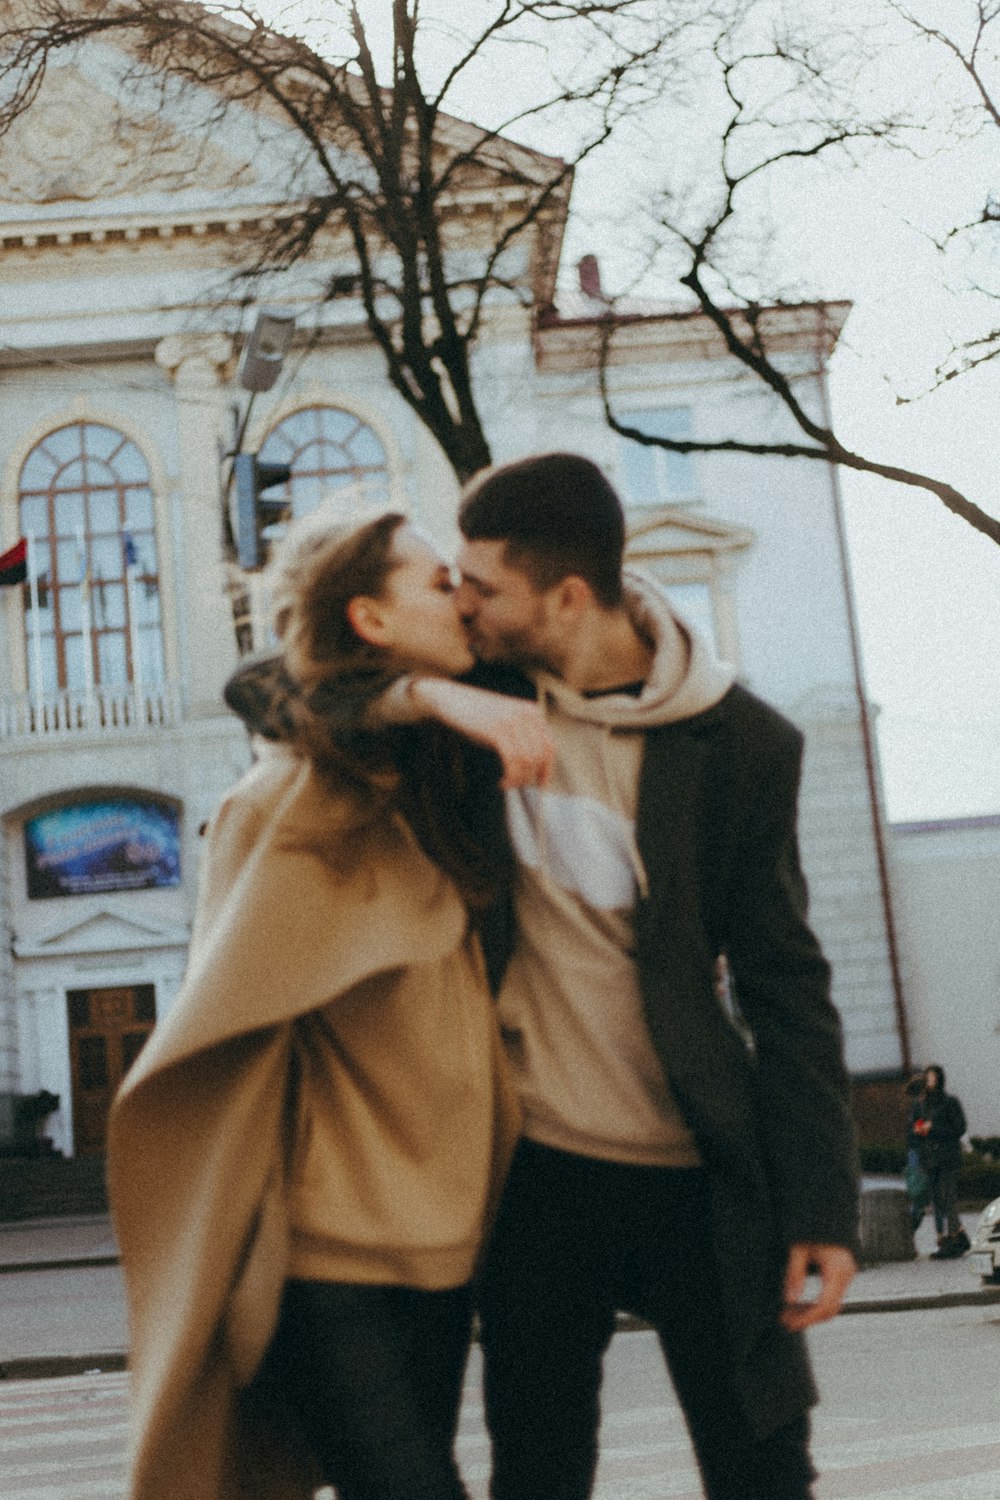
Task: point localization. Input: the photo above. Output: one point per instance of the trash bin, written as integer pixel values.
(885, 1229)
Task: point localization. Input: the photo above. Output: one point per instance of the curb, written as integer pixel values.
(925, 1302)
(55, 1366)
(58, 1366)
(922, 1303)
(72, 1263)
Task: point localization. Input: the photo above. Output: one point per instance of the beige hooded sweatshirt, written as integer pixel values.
(570, 1008)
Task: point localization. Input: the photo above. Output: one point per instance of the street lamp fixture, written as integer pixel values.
(266, 349)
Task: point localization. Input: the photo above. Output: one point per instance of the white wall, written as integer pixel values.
(946, 878)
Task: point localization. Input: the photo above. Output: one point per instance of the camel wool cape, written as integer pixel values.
(201, 1134)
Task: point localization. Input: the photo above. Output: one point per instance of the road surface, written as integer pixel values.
(909, 1412)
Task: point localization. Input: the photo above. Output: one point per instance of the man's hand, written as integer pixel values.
(513, 727)
(836, 1269)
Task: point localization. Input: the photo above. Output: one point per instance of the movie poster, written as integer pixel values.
(117, 844)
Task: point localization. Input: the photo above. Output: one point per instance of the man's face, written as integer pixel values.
(507, 617)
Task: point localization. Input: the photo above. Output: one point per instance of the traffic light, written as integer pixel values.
(254, 509)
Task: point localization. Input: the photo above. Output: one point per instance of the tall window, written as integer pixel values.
(86, 501)
(656, 476)
(328, 450)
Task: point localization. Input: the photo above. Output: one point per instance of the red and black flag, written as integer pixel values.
(14, 563)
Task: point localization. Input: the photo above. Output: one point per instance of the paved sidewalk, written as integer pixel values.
(901, 1286)
(51, 1244)
(89, 1240)
(60, 1289)
(64, 1244)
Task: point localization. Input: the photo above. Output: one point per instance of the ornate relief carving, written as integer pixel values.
(76, 143)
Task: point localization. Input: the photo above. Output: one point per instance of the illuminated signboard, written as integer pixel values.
(115, 844)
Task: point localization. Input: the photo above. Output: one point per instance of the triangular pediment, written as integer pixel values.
(104, 127)
(106, 930)
(78, 144)
(122, 168)
(670, 531)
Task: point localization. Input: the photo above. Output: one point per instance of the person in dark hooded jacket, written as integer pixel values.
(939, 1125)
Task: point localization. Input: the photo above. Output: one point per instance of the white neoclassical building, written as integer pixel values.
(118, 352)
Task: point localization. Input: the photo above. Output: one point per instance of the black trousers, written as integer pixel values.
(944, 1199)
(373, 1377)
(575, 1240)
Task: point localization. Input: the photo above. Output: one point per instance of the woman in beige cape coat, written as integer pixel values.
(305, 1155)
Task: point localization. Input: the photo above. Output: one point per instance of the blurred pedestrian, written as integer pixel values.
(939, 1126)
(918, 1186)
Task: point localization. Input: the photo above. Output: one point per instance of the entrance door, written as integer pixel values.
(107, 1029)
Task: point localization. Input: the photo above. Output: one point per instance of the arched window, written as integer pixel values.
(328, 450)
(86, 501)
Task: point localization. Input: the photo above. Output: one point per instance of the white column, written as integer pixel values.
(198, 363)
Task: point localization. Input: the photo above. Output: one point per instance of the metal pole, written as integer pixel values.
(36, 635)
(87, 626)
(128, 546)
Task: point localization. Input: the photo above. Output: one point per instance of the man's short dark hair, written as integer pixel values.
(558, 515)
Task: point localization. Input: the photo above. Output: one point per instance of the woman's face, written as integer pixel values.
(416, 619)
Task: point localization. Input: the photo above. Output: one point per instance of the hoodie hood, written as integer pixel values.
(685, 679)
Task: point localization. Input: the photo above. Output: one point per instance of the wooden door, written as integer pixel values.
(107, 1029)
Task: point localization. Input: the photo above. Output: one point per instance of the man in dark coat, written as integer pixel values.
(685, 1158)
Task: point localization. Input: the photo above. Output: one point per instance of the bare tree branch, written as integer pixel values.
(971, 59)
(978, 62)
(825, 446)
(379, 158)
(782, 105)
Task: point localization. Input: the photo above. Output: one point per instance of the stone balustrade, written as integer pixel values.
(104, 710)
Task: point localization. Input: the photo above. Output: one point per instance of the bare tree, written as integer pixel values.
(779, 100)
(969, 55)
(384, 166)
(380, 160)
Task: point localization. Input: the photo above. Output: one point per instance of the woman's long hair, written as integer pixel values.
(331, 676)
(332, 673)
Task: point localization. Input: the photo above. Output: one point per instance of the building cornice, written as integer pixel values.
(48, 232)
(563, 345)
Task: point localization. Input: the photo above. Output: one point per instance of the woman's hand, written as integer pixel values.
(514, 728)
